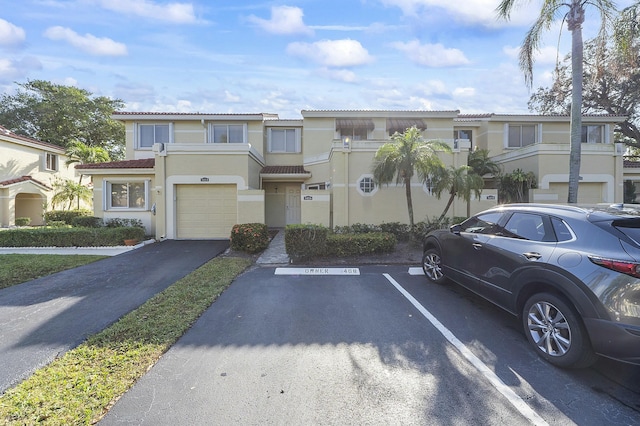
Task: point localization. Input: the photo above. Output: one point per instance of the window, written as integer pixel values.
(51, 162)
(460, 134)
(366, 185)
(153, 133)
(227, 133)
(592, 134)
(284, 140)
(317, 186)
(527, 226)
(127, 195)
(521, 135)
(353, 134)
(482, 224)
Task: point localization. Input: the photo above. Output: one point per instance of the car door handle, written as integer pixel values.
(477, 246)
(532, 255)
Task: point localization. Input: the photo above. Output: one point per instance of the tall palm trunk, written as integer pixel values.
(575, 20)
(407, 191)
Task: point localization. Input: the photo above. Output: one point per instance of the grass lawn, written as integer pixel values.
(19, 268)
(81, 386)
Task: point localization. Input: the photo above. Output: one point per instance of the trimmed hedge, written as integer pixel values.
(340, 245)
(65, 216)
(88, 221)
(23, 221)
(249, 237)
(69, 237)
(305, 241)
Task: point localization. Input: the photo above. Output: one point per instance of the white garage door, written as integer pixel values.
(205, 211)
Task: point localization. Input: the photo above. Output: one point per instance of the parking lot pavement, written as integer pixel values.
(43, 318)
(324, 346)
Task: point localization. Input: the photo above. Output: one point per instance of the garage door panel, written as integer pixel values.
(205, 211)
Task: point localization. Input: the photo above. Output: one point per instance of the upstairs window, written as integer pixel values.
(366, 185)
(51, 162)
(148, 134)
(284, 140)
(521, 135)
(227, 133)
(355, 129)
(460, 135)
(593, 134)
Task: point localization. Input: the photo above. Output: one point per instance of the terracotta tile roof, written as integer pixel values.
(6, 132)
(145, 163)
(23, 179)
(284, 170)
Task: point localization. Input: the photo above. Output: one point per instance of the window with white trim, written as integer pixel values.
(227, 133)
(521, 135)
(149, 134)
(51, 162)
(129, 195)
(366, 185)
(284, 140)
(592, 133)
(317, 186)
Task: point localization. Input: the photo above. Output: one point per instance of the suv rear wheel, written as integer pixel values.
(554, 329)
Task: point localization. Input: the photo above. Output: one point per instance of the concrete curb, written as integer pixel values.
(101, 251)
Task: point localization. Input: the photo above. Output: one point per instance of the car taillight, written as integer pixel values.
(629, 268)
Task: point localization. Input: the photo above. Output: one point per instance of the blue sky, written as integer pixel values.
(236, 56)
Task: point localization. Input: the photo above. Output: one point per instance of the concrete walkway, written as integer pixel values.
(276, 253)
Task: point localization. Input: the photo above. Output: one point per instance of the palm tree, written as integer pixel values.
(458, 181)
(78, 152)
(481, 164)
(575, 18)
(69, 191)
(406, 154)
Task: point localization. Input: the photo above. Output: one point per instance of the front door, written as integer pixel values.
(292, 205)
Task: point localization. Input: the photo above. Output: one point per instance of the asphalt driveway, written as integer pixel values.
(43, 318)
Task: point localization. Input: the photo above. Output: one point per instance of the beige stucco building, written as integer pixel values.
(196, 175)
(28, 170)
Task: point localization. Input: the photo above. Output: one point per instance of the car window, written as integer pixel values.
(630, 227)
(526, 225)
(482, 224)
(561, 229)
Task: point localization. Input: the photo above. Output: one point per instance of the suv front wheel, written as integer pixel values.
(554, 329)
(431, 265)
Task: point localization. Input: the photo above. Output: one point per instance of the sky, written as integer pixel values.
(282, 57)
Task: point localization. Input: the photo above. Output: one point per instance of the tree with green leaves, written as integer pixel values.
(60, 115)
(611, 86)
(458, 182)
(550, 10)
(405, 155)
(68, 191)
(78, 152)
(513, 187)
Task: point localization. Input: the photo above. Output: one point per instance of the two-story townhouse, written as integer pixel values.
(28, 171)
(540, 144)
(196, 175)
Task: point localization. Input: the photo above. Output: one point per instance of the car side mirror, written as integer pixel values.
(455, 229)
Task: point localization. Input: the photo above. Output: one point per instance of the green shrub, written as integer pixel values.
(117, 222)
(401, 231)
(68, 237)
(23, 221)
(65, 216)
(340, 245)
(305, 241)
(87, 221)
(249, 237)
(57, 224)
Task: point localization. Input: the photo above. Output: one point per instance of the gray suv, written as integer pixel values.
(571, 274)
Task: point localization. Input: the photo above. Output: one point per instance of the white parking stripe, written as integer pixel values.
(317, 271)
(500, 386)
(416, 271)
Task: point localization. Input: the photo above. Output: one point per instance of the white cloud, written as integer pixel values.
(465, 92)
(546, 55)
(431, 55)
(11, 70)
(87, 43)
(284, 20)
(343, 75)
(229, 97)
(10, 35)
(332, 53)
(178, 13)
(480, 12)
